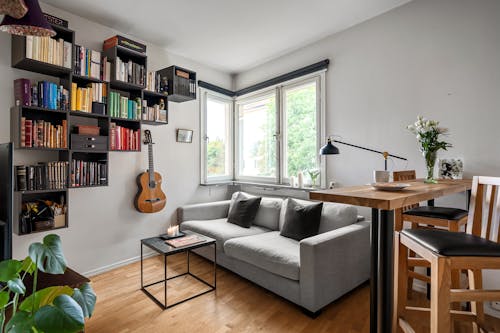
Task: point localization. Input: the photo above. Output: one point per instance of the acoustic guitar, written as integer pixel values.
(150, 197)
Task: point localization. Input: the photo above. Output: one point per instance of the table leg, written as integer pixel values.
(467, 199)
(165, 277)
(142, 277)
(374, 272)
(386, 263)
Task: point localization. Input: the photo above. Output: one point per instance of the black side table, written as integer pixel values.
(158, 244)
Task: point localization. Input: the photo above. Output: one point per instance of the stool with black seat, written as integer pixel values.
(444, 252)
(451, 219)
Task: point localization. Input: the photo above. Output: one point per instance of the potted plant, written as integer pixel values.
(428, 133)
(58, 309)
(313, 174)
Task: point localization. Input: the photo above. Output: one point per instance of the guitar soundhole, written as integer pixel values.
(152, 184)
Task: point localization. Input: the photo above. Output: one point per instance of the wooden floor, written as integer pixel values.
(236, 306)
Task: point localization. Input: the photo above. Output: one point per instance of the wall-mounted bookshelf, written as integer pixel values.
(102, 110)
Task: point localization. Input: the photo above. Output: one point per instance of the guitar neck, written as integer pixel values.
(151, 165)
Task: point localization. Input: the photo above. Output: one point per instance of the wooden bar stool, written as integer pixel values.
(446, 251)
(451, 219)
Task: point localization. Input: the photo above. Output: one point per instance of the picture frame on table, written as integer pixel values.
(184, 135)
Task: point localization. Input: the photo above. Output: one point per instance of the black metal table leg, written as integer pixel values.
(385, 266)
(165, 278)
(467, 199)
(374, 272)
(142, 277)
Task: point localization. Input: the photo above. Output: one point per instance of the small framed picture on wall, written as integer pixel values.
(184, 135)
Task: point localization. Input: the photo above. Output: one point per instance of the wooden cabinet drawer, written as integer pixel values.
(89, 142)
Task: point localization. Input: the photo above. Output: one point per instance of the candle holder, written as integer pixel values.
(172, 232)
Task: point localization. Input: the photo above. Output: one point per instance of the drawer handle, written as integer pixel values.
(90, 146)
(90, 139)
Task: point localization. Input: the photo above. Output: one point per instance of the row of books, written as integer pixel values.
(42, 94)
(90, 63)
(82, 97)
(43, 176)
(49, 50)
(129, 71)
(154, 113)
(186, 87)
(43, 134)
(153, 82)
(123, 107)
(122, 138)
(86, 173)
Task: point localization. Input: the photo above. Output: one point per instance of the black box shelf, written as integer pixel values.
(180, 88)
(153, 123)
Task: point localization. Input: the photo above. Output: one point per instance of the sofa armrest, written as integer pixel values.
(333, 263)
(203, 211)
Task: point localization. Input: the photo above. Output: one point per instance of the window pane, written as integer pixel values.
(218, 147)
(301, 132)
(257, 144)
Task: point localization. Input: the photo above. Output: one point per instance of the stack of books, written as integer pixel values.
(82, 98)
(153, 82)
(122, 138)
(123, 107)
(129, 71)
(43, 134)
(86, 173)
(153, 113)
(49, 50)
(43, 176)
(185, 85)
(42, 94)
(87, 62)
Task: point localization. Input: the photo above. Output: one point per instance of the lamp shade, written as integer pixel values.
(329, 149)
(31, 24)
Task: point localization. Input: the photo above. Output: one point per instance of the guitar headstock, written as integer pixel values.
(148, 140)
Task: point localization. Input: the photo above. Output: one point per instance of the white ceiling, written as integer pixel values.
(230, 35)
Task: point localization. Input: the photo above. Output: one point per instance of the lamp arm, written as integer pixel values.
(384, 153)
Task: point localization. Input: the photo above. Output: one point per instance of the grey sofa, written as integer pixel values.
(311, 273)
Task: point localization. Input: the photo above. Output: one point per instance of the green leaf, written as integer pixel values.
(86, 297)
(4, 298)
(65, 316)
(28, 266)
(21, 322)
(17, 286)
(44, 297)
(9, 269)
(48, 255)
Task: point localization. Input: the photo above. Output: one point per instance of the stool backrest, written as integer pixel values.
(484, 212)
(399, 176)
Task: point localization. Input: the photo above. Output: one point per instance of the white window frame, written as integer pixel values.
(204, 95)
(318, 77)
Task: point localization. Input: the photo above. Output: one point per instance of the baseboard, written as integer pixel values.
(107, 268)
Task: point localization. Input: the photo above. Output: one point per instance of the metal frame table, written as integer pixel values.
(158, 244)
(383, 205)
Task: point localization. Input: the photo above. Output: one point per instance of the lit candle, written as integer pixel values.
(173, 231)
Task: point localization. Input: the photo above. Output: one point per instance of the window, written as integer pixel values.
(277, 133)
(217, 137)
(256, 138)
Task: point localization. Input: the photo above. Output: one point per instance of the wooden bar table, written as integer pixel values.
(384, 204)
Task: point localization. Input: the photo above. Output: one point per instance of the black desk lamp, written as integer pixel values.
(330, 149)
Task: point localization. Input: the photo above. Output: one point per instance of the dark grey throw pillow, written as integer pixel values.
(243, 211)
(301, 221)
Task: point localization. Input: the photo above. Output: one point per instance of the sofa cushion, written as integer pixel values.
(301, 221)
(220, 230)
(333, 216)
(270, 251)
(243, 211)
(268, 215)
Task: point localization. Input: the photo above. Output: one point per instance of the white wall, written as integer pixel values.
(104, 228)
(434, 58)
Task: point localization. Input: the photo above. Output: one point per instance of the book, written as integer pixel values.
(125, 42)
(22, 92)
(185, 241)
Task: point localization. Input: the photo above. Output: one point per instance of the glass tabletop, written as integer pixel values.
(159, 245)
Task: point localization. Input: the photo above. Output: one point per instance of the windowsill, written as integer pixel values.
(266, 186)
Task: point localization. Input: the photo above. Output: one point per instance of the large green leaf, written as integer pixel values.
(17, 286)
(44, 297)
(28, 265)
(86, 297)
(21, 322)
(9, 269)
(4, 298)
(65, 316)
(48, 255)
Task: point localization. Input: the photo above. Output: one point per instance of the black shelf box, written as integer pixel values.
(181, 83)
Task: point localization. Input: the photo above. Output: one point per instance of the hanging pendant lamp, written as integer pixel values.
(31, 24)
